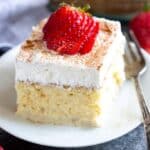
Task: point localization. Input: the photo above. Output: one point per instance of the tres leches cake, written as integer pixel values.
(69, 69)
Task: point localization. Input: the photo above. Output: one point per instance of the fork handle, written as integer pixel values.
(144, 109)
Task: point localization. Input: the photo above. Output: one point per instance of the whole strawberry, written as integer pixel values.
(70, 30)
(141, 27)
(1, 148)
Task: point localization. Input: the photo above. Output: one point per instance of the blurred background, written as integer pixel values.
(120, 9)
(18, 16)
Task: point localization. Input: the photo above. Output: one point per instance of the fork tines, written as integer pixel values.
(134, 51)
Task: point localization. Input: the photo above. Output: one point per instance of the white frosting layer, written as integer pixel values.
(60, 73)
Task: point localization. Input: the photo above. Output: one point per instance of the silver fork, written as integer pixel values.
(135, 66)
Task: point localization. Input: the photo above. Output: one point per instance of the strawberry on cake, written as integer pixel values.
(69, 67)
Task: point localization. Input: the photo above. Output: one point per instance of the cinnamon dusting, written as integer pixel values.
(93, 59)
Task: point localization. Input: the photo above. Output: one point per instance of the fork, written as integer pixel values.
(135, 66)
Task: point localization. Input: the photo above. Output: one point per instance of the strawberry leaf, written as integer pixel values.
(147, 6)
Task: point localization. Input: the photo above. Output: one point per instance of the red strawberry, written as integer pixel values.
(1, 148)
(141, 27)
(70, 31)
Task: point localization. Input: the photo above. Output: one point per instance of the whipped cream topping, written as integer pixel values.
(36, 64)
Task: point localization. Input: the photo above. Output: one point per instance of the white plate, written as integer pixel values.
(125, 114)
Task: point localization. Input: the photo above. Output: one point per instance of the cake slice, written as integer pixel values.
(66, 84)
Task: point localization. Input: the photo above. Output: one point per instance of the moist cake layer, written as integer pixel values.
(57, 105)
(35, 63)
(64, 105)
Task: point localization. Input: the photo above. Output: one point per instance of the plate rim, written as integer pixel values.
(80, 146)
(9, 131)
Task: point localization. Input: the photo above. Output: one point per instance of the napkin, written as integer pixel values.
(17, 17)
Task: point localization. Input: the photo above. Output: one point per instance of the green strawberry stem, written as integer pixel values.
(147, 6)
(85, 8)
(62, 4)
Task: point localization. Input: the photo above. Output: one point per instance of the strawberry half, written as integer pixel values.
(70, 31)
(141, 27)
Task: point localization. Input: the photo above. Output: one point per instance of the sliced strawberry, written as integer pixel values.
(68, 30)
(89, 41)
